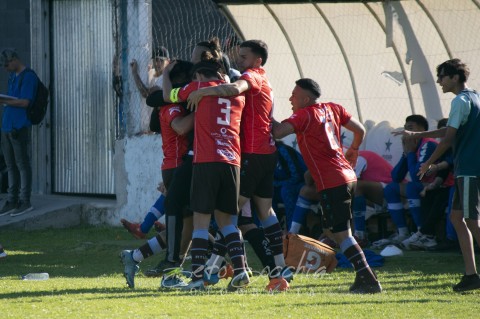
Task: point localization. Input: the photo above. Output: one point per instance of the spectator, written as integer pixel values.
(16, 133)
(415, 153)
(463, 135)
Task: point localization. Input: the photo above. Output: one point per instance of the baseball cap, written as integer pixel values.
(8, 55)
(160, 52)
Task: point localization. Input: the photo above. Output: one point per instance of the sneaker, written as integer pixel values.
(239, 281)
(210, 279)
(277, 284)
(415, 237)
(133, 229)
(3, 254)
(131, 267)
(8, 207)
(22, 208)
(159, 227)
(196, 285)
(468, 282)
(361, 286)
(424, 243)
(162, 267)
(380, 244)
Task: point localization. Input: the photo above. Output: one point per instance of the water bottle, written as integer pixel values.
(36, 276)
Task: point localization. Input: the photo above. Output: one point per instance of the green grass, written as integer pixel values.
(86, 282)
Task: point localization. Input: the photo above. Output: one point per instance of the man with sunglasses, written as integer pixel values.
(16, 132)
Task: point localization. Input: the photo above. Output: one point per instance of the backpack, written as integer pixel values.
(38, 108)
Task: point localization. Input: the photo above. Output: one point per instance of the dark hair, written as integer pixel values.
(8, 55)
(418, 119)
(208, 66)
(309, 85)
(453, 67)
(442, 123)
(181, 72)
(213, 46)
(258, 47)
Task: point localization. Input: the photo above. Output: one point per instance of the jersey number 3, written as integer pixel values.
(225, 110)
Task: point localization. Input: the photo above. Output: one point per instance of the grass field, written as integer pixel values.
(86, 282)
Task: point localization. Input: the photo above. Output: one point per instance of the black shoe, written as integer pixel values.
(468, 282)
(162, 267)
(361, 286)
(446, 245)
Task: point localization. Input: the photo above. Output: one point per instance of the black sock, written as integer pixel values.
(259, 243)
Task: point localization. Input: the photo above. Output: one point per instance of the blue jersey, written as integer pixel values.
(412, 162)
(290, 166)
(21, 86)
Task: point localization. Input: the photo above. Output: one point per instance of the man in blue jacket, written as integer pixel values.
(16, 133)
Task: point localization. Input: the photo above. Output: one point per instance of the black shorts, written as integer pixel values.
(215, 186)
(336, 205)
(178, 192)
(467, 197)
(167, 176)
(256, 175)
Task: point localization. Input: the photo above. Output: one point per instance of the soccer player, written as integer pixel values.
(175, 124)
(216, 170)
(259, 157)
(317, 127)
(463, 135)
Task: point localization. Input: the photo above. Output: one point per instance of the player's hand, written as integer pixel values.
(351, 156)
(134, 65)
(424, 169)
(409, 144)
(194, 99)
(161, 188)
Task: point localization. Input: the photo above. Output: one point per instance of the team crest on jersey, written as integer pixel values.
(174, 109)
(226, 153)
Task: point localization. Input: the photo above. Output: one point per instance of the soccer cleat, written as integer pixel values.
(133, 229)
(413, 239)
(468, 282)
(196, 285)
(159, 227)
(362, 286)
(239, 281)
(277, 284)
(131, 267)
(163, 267)
(287, 273)
(172, 281)
(22, 208)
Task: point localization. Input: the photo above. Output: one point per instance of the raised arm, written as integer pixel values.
(138, 81)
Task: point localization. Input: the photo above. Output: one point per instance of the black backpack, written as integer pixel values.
(38, 108)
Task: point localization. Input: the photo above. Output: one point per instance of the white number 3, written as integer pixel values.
(225, 110)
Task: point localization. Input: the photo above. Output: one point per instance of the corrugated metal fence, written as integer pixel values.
(83, 102)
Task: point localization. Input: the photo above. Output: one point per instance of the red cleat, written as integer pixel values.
(277, 284)
(226, 272)
(133, 229)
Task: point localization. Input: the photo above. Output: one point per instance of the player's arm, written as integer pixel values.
(358, 131)
(445, 144)
(227, 89)
(169, 93)
(183, 125)
(280, 130)
(138, 81)
(432, 134)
